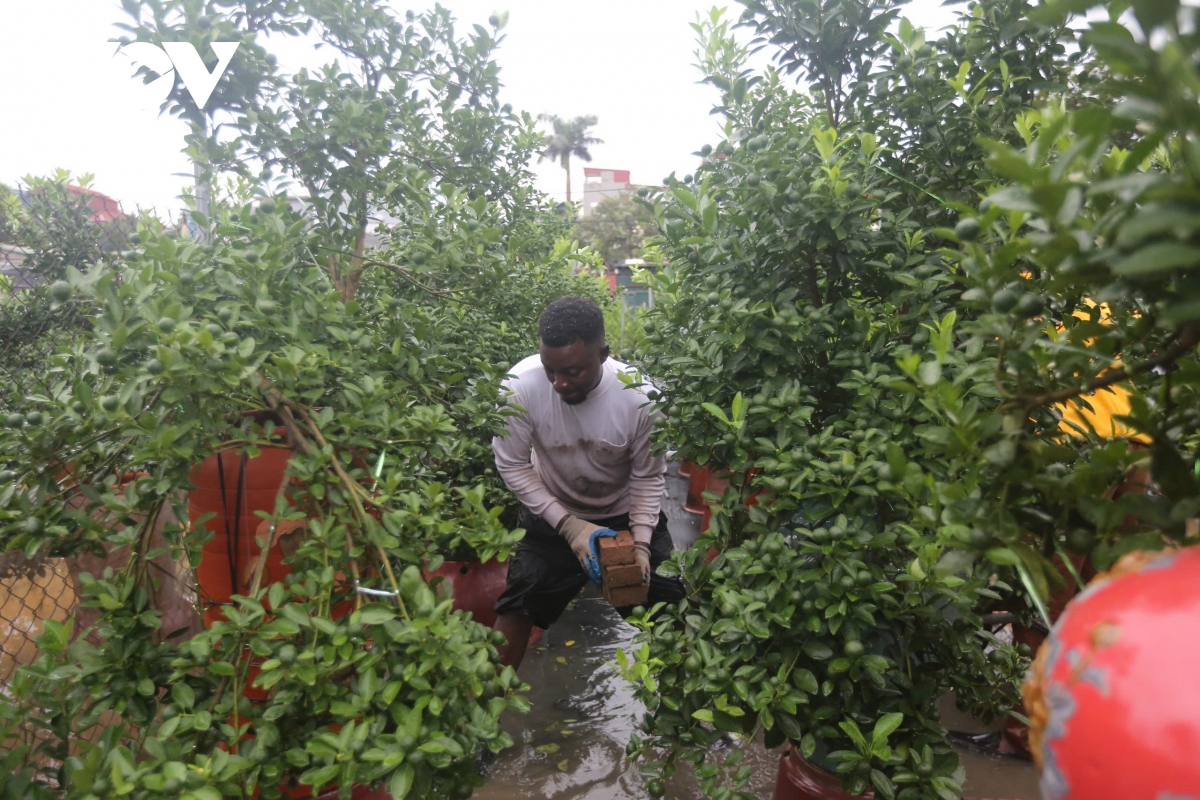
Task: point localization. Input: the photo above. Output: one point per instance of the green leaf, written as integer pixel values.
(808, 745)
(883, 785)
(1001, 454)
(182, 694)
(817, 650)
(1002, 555)
(410, 581)
(375, 614)
(930, 372)
(885, 727)
(367, 685)
(1159, 258)
(806, 681)
(708, 214)
(791, 727)
(851, 729)
(717, 412)
(401, 783)
(739, 410)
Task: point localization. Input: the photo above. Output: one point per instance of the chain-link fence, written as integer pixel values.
(47, 228)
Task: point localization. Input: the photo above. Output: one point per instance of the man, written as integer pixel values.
(578, 458)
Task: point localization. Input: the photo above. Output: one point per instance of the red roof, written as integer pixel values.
(619, 175)
(104, 208)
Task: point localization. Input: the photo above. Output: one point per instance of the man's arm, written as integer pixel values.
(647, 480)
(513, 462)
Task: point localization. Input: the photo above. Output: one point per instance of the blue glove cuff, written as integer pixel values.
(592, 567)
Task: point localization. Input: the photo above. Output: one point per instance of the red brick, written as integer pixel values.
(622, 596)
(619, 550)
(622, 575)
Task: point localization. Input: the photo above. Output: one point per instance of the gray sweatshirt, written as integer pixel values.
(590, 460)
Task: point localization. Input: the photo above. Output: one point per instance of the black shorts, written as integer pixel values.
(544, 575)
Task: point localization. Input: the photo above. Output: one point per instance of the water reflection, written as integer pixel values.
(572, 744)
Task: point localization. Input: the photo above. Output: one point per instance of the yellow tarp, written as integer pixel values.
(1107, 404)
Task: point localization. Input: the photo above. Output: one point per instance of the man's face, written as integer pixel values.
(575, 370)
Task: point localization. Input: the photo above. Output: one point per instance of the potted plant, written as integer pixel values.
(801, 283)
(372, 384)
(349, 636)
(1085, 336)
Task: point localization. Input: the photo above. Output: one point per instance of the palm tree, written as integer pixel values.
(570, 138)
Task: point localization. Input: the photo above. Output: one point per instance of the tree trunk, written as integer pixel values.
(351, 285)
(203, 186)
(567, 167)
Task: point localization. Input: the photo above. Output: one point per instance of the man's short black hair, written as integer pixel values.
(570, 319)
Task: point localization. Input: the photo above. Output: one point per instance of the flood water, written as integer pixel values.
(571, 746)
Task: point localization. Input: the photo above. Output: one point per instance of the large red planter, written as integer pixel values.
(697, 485)
(476, 587)
(357, 793)
(802, 780)
(233, 487)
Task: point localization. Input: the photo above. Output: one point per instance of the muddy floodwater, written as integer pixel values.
(571, 746)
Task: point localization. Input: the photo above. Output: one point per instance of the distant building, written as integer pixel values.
(601, 183)
(620, 280)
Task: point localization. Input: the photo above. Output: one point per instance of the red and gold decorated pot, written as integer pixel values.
(1114, 695)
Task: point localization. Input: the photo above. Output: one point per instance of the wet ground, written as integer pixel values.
(571, 746)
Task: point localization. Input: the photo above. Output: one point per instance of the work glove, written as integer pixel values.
(584, 538)
(641, 557)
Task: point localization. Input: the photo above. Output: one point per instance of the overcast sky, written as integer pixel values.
(66, 101)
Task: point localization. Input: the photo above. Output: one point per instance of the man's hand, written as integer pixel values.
(584, 538)
(641, 557)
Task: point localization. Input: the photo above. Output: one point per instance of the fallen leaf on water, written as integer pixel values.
(569, 642)
(564, 765)
(567, 733)
(561, 660)
(547, 749)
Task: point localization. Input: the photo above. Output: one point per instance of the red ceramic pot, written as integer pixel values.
(717, 482)
(697, 484)
(1114, 698)
(233, 487)
(801, 780)
(686, 468)
(476, 587)
(357, 793)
